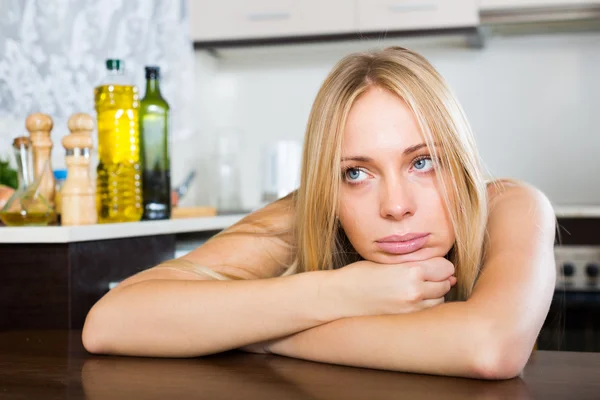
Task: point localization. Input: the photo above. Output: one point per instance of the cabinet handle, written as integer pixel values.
(273, 16)
(409, 7)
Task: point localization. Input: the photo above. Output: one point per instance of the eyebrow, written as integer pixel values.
(407, 151)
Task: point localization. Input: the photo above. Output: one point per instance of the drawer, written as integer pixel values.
(396, 15)
(251, 19)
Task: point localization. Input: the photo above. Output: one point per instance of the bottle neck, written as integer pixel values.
(22, 155)
(116, 77)
(112, 72)
(152, 87)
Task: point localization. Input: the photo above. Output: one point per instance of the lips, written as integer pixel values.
(402, 244)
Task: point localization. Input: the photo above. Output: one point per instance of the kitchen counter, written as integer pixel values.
(71, 234)
(577, 211)
(54, 364)
(51, 276)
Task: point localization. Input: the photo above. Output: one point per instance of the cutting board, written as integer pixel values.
(193, 212)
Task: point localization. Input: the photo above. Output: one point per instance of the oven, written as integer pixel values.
(573, 322)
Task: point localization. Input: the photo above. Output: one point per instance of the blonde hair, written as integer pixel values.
(320, 241)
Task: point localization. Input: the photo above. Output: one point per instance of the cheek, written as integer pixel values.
(355, 218)
(442, 217)
(348, 217)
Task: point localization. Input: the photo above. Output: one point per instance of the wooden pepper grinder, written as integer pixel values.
(78, 196)
(39, 126)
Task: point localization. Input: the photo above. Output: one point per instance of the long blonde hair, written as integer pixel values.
(320, 241)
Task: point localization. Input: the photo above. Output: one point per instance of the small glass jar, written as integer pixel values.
(27, 206)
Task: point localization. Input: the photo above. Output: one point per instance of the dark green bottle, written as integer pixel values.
(156, 165)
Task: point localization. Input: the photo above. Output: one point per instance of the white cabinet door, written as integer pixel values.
(516, 4)
(252, 19)
(382, 15)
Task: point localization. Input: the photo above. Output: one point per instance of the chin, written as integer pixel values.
(426, 253)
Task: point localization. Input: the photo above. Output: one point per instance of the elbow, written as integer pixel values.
(498, 364)
(93, 336)
(103, 327)
(498, 358)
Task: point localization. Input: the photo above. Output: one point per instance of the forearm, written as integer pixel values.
(179, 318)
(443, 340)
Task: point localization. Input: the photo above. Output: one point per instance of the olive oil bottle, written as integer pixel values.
(154, 126)
(118, 179)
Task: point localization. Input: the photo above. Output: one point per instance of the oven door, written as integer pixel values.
(573, 323)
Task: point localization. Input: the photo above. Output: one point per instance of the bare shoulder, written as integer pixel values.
(276, 217)
(517, 205)
(259, 246)
(502, 190)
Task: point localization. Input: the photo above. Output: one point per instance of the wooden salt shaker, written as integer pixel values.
(39, 126)
(78, 196)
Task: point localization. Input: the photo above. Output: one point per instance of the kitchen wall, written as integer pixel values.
(533, 102)
(52, 55)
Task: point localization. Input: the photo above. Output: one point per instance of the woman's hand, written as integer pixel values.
(367, 288)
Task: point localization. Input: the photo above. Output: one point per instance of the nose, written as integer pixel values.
(397, 201)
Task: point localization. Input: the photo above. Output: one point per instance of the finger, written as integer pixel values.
(431, 303)
(436, 270)
(452, 280)
(434, 290)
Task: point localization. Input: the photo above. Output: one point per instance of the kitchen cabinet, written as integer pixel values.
(386, 15)
(52, 275)
(233, 22)
(246, 20)
(256, 19)
(486, 5)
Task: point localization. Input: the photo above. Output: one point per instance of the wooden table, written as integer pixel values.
(53, 364)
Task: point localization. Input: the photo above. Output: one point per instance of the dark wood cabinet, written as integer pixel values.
(53, 285)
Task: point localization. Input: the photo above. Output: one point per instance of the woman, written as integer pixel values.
(392, 191)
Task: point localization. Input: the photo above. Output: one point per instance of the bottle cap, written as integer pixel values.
(21, 141)
(60, 174)
(152, 72)
(115, 64)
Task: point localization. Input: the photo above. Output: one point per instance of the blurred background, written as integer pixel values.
(525, 71)
(240, 77)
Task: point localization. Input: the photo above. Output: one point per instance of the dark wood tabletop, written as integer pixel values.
(54, 365)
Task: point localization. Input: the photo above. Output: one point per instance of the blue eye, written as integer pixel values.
(354, 175)
(423, 164)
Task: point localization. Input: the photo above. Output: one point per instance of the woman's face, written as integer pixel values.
(391, 207)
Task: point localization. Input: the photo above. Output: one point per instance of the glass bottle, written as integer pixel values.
(118, 179)
(156, 165)
(27, 206)
(227, 161)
